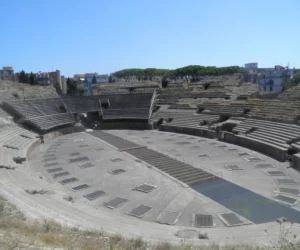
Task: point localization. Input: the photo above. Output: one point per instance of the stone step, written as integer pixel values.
(268, 137)
(167, 165)
(278, 136)
(177, 172)
(189, 173)
(286, 132)
(170, 169)
(197, 179)
(269, 141)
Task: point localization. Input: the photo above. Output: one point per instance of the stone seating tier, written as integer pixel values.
(50, 122)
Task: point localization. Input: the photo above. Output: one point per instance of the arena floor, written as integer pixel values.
(80, 167)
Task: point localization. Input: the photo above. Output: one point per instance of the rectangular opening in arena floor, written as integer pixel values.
(253, 159)
(232, 167)
(94, 195)
(263, 165)
(293, 191)
(74, 154)
(241, 153)
(60, 174)
(183, 143)
(204, 155)
(80, 187)
(231, 149)
(117, 171)
(286, 181)
(146, 188)
(53, 170)
(140, 211)
(203, 220)
(275, 173)
(231, 219)
(78, 159)
(116, 160)
(51, 164)
(168, 217)
(67, 181)
(285, 199)
(86, 165)
(116, 202)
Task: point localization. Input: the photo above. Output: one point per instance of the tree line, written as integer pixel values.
(140, 74)
(191, 71)
(29, 78)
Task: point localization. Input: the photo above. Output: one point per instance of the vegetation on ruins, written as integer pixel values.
(294, 81)
(58, 88)
(192, 71)
(74, 89)
(24, 77)
(141, 74)
(110, 79)
(27, 78)
(32, 80)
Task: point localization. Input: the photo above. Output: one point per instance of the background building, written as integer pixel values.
(88, 77)
(49, 78)
(269, 79)
(7, 73)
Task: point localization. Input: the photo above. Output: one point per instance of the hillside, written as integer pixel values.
(292, 93)
(11, 90)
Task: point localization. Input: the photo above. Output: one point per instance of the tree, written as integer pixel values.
(164, 82)
(81, 91)
(72, 88)
(149, 73)
(58, 88)
(32, 78)
(188, 72)
(94, 80)
(23, 77)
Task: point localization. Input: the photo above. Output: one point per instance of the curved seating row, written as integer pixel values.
(15, 144)
(272, 110)
(46, 114)
(187, 122)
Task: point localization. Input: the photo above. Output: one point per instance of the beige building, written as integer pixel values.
(49, 78)
(7, 73)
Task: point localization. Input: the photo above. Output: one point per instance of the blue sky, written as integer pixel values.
(79, 36)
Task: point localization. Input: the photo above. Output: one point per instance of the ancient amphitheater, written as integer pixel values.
(165, 164)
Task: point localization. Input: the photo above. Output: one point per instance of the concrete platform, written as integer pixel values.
(169, 195)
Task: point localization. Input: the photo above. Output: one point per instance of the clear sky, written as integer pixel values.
(78, 36)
